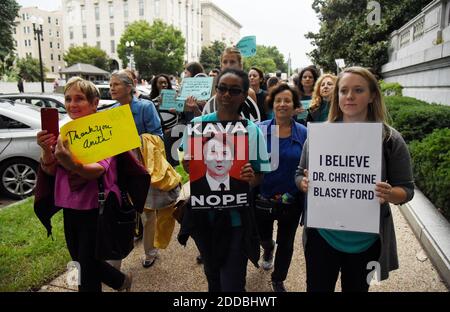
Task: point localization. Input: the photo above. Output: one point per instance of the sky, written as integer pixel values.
(280, 23)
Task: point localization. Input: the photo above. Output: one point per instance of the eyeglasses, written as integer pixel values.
(231, 91)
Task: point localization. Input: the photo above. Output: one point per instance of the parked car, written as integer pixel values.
(105, 97)
(19, 152)
(38, 99)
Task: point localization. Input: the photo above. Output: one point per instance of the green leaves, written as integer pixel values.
(210, 56)
(87, 55)
(29, 69)
(158, 48)
(8, 13)
(345, 33)
(267, 58)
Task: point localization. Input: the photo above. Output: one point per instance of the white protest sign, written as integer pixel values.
(344, 165)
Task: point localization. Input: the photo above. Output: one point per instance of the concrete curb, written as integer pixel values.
(432, 231)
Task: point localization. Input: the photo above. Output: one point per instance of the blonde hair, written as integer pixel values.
(86, 87)
(316, 97)
(235, 51)
(376, 110)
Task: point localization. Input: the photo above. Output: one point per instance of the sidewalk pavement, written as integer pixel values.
(176, 269)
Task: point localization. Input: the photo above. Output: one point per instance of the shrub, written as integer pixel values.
(431, 167)
(391, 88)
(415, 119)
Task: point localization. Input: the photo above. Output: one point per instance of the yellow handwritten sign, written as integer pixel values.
(101, 135)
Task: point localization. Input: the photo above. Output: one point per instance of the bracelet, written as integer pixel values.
(48, 164)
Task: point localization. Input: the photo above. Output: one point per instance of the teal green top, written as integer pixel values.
(257, 153)
(347, 241)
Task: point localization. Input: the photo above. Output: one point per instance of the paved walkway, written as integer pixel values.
(177, 270)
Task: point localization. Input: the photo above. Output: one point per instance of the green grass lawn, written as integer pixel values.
(28, 259)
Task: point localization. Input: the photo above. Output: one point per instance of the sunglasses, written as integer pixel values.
(231, 91)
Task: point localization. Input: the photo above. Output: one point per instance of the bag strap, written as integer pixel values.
(101, 195)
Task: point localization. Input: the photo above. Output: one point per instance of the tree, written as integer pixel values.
(87, 55)
(345, 33)
(158, 48)
(29, 69)
(268, 59)
(210, 56)
(8, 13)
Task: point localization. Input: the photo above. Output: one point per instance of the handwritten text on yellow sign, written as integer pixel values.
(101, 135)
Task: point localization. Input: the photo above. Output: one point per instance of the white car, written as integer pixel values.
(105, 97)
(19, 152)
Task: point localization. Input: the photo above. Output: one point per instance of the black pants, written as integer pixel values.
(323, 264)
(80, 229)
(231, 275)
(288, 221)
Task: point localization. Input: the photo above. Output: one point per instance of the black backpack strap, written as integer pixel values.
(101, 195)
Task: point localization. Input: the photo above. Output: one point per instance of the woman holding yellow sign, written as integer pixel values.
(76, 191)
(357, 99)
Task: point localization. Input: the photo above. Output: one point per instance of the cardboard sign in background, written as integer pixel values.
(101, 135)
(344, 150)
(169, 100)
(247, 46)
(305, 104)
(198, 87)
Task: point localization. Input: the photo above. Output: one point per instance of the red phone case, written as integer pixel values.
(49, 120)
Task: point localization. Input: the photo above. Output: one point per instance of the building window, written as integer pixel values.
(59, 57)
(111, 29)
(53, 69)
(58, 45)
(126, 24)
(71, 33)
(99, 45)
(141, 7)
(157, 7)
(23, 16)
(84, 32)
(57, 34)
(51, 56)
(97, 30)
(111, 10)
(49, 20)
(97, 12)
(24, 29)
(113, 47)
(83, 14)
(26, 43)
(50, 32)
(51, 45)
(57, 22)
(29, 42)
(125, 9)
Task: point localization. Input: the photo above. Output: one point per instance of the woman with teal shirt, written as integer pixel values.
(357, 98)
(320, 103)
(227, 238)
